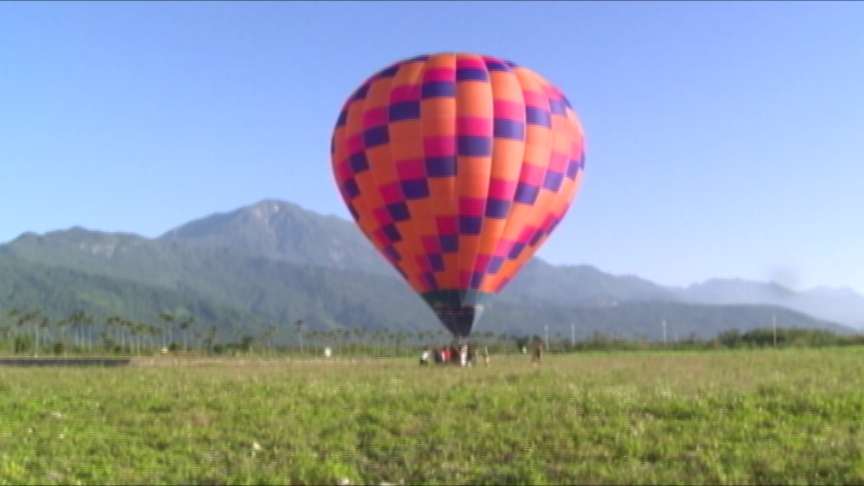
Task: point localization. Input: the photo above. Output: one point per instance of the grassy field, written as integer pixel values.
(686, 417)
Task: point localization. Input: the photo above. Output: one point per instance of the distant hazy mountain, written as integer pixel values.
(274, 262)
(840, 305)
(582, 285)
(721, 291)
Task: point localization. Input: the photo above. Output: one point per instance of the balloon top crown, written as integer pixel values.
(458, 55)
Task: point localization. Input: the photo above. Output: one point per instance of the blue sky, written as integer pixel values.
(724, 139)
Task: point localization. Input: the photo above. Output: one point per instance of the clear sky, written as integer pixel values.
(724, 139)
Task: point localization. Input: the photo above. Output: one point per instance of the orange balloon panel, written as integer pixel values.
(457, 167)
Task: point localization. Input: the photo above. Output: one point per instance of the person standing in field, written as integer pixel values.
(485, 355)
(537, 352)
(444, 352)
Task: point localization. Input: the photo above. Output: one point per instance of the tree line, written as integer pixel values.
(25, 332)
(30, 332)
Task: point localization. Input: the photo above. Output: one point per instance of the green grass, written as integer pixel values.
(791, 416)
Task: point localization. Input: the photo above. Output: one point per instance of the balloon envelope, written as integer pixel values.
(457, 167)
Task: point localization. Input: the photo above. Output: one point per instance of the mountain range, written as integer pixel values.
(274, 262)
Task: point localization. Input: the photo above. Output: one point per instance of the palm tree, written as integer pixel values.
(146, 335)
(6, 327)
(185, 325)
(130, 331)
(168, 324)
(343, 334)
(108, 341)
(43, 327)
(210, 338)
(114, 326)
(299, 325)
(198, 336)
(26, 319)
(80, 323)
(5, 331)
(12, 314)
(358, 333)
(62, 325)
(152, 332)
(267, 336)
(325, 337)
(69, 323)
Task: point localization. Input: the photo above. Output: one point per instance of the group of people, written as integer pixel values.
(463, 354)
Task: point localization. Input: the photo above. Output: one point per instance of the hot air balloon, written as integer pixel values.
(457, 167)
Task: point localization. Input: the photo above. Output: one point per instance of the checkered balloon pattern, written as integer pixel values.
(457, 167)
